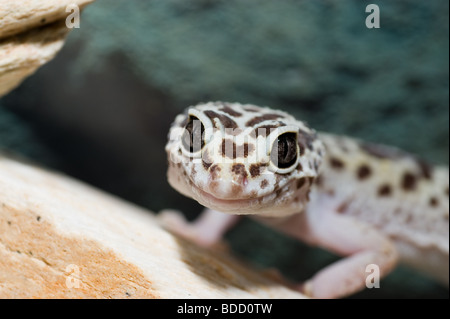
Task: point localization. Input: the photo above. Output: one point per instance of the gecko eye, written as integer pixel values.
(285, 150)
(192, 138)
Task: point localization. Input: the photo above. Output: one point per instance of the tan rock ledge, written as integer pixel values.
(60, 238)
(20, 16)
(22, 55)
(31, 33)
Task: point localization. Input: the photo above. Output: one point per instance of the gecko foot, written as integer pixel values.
(305, 288)
(175, 222)
(205, 231)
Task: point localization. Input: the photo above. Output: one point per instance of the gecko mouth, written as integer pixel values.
(237, 206)
(269, 204)
(248, 205)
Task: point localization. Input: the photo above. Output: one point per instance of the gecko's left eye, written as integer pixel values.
(192, 138)
(284, 151)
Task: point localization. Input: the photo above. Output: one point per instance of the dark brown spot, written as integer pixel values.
(311, 180)
(446, 191)
(409, 181)
(336, 163)
(255, 170)
(299, 167)
(364, 171)
(236, 189)
(426, 169)
(228, 149)
(301, 148)
(253, 194)
(263, 130)
(320, 152)
(43, 20)
(214, 171)
(433, 202)
(230, 111)
(206, 160)
(305, 140)
(300, 183)
(244, 150)
(278, 193)
(233, 131)
(251, 109)
(382, 151)
(264, 183)
(342, 208)
(384, 190)
(206, 165)
(225, 120)
(239, 169)
(213, 186)
(262, 118)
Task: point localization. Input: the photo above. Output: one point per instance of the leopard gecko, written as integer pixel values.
(369, 203)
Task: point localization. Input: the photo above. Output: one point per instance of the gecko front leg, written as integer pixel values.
(361, 245)
(206, 231)
(342, 194)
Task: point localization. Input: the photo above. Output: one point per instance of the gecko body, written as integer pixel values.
(370, 203)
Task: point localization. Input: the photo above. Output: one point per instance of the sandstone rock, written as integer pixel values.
(19, 16)
(22, 55)
(60, 238)
(31, 33)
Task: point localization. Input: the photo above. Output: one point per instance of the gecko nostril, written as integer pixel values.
(245, 181)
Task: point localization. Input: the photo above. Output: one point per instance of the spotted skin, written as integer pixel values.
(371, 203)
(235, 162)
(397, 193)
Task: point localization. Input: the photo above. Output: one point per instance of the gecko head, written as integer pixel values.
(243, 159)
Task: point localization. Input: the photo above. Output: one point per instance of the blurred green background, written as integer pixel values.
(100, 111)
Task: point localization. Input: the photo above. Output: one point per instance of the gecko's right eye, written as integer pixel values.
(193, 135)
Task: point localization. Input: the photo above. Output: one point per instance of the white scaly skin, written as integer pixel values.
(373, 204)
